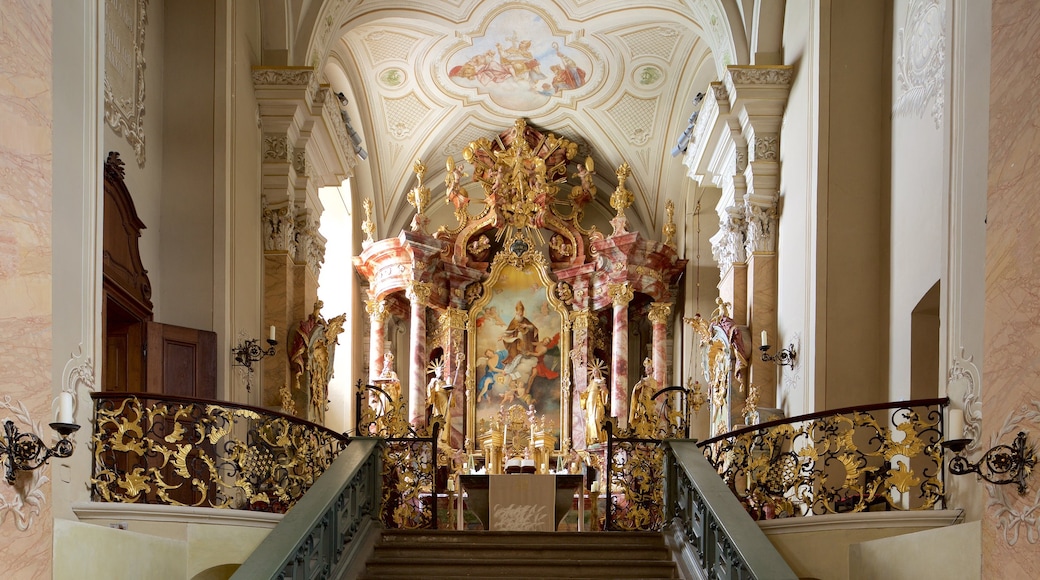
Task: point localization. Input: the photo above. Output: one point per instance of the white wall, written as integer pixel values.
(918, 182)
(797, 256)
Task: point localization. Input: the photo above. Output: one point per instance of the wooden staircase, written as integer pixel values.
(421, 554)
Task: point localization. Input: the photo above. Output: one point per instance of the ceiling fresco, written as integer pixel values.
(619, 79)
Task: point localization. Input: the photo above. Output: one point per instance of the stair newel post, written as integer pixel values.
(358, 399)
(435, 433)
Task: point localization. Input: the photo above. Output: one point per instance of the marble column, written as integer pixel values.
(659, 315)
(621, 294)
(418, 294)
(377, 313)
(453, 323)
(580, 363)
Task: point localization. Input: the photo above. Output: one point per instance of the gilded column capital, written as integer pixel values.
(659, 312)
(620, 293)
(377, 310)
(454, 318)
(581, 319)
(419, 292)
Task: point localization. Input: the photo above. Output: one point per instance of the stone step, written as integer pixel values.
(516, 568)
(445, 554)
(477, 537)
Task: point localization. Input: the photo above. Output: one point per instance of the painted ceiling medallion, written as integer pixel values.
(519, 62)
(392, 77)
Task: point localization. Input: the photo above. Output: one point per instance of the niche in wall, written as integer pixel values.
(924, 346)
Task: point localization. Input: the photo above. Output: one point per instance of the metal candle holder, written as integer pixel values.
(784, 358)
(1000, 465)
(26, 451)
(250, 352)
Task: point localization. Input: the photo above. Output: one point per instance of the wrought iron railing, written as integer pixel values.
(871, 458)
(634, 482)
(325, 534)
(171, 450)
(409, 456)
(719, 540)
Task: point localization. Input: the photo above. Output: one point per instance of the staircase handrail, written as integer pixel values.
(177, 450)
(720, 537)
(325, 533)
(883, 456)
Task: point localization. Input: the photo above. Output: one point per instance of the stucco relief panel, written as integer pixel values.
(125, 22)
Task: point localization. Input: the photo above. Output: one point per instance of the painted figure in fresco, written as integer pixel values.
(594, 402)
(520, 61)
(520, 336)
(539, 352)
(438, 393)
(641, 409)
(492, 365)
(483, 67)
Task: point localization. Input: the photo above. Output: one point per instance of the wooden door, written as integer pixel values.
(181, 361)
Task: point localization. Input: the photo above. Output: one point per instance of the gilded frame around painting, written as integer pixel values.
(520, 341)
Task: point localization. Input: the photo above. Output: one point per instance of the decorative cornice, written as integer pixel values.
(284, 76)
(660, 312)
(761, 75)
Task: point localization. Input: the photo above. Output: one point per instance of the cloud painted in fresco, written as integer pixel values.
(519, 63)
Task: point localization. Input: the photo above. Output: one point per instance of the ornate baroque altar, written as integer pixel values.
(510, 311)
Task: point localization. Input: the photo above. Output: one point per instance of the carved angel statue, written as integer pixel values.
(455, 194)
(586, 191)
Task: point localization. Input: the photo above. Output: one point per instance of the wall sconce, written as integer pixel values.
(250, 352)
(26, 451)
(1001, 465)
(784, 358)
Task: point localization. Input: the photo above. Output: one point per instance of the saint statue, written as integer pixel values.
(438, 393)
(594, 402)
(641, 411)
(388, 378)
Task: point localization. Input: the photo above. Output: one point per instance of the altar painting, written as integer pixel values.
(517, 347)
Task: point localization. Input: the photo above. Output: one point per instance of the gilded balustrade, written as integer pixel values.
(191, 452)
(871, 458)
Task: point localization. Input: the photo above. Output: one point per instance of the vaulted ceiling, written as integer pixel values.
(424, 79)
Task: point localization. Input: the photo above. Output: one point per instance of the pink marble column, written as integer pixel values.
(376, 337)
(659, 313)
(418, 293)
(621, 295)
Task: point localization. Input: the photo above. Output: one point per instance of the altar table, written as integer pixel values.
(521, 501)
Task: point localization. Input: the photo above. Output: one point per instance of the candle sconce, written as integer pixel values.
(784, 358)
(1000, 465)
(250, 352)
(26, 451)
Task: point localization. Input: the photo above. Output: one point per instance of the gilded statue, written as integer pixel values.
(641, 416)
(438, 393)
(594, 402)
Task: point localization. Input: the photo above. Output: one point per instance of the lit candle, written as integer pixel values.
(272, 337)
(65, 407)
(956, 428)
(765, 339)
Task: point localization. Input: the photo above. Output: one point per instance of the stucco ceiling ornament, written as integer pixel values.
(727, 245)
(124, 72)
(921, 63)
